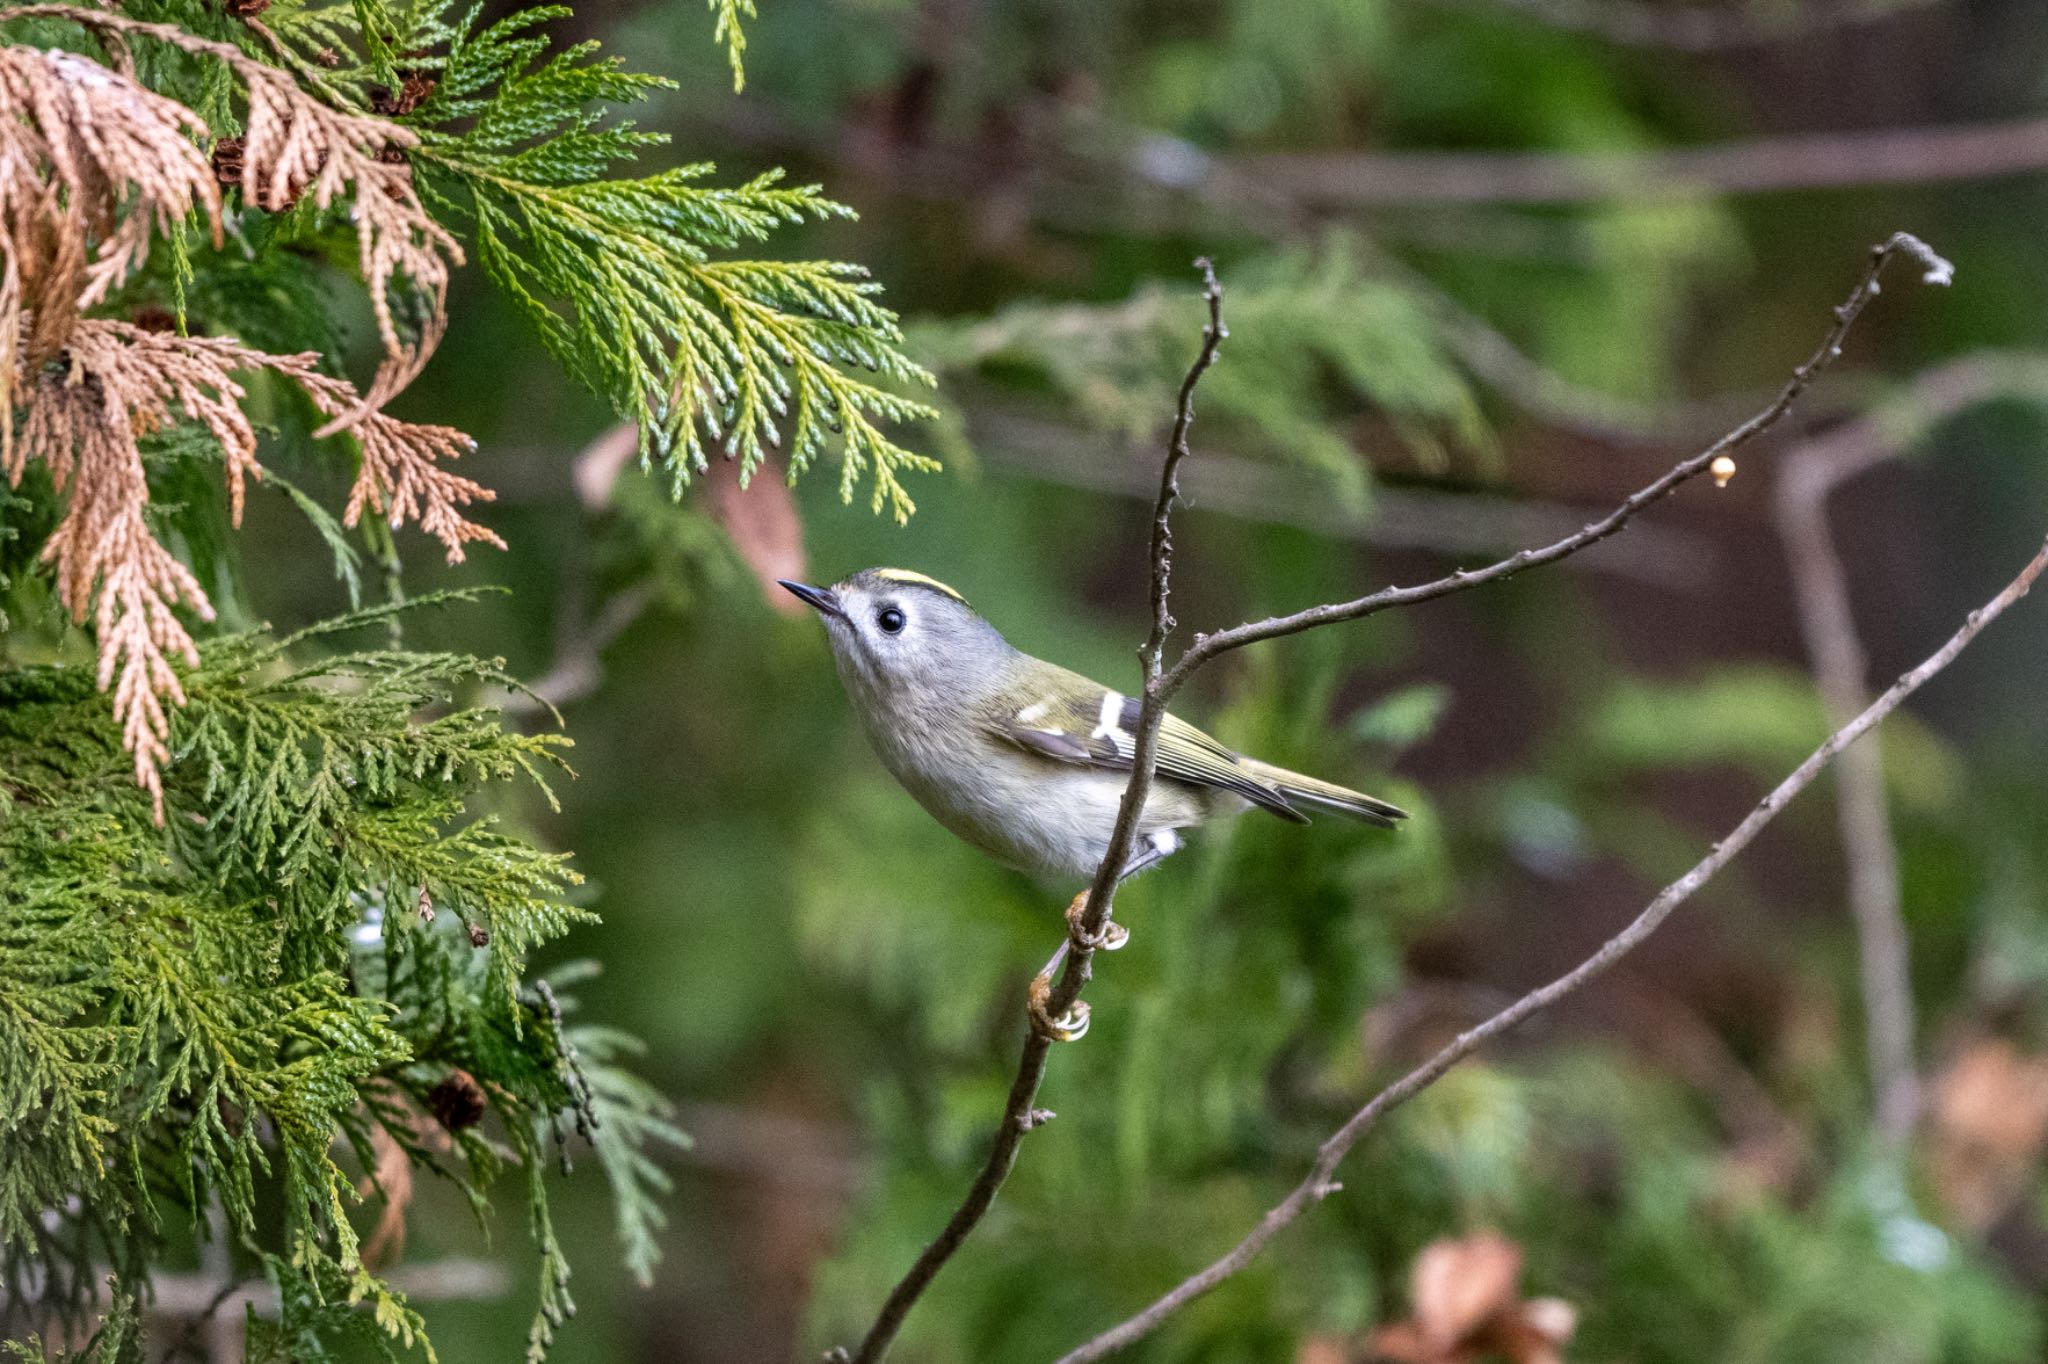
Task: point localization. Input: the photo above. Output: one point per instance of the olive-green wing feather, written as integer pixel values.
(1089, 725)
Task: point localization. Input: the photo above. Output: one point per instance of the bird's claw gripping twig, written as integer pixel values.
(1112, 936)
(1070, 1026)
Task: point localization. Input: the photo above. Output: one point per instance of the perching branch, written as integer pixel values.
(1151, 658)
(1827, 622)
(1087, 930)
(1319, 1183)
(1019, 1116)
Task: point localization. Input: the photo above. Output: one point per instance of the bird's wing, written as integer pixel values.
(1091, 726)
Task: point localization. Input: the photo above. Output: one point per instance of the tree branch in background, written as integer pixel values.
(1087, 929)
(1141, 178)
(1030, 446)
(1319, 1183)
(1348, 181)
(1549, 397)
(582, 633)
(1827, 622)
(578, 664)
(1207, 647)
(1695, 28)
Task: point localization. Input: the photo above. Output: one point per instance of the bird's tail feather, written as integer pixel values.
(1326, 795)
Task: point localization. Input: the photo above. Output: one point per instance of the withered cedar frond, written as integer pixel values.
(296, 147)
(84, 420)
(92, 166)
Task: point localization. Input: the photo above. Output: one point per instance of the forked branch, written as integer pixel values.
(1160, 685)
(1935, 270)
(1820, 583)
(1320, 1181)
(1019, 1115)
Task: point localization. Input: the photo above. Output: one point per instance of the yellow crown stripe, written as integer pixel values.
(914, 579)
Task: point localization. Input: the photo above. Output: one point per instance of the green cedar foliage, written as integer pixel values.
(225, 1009)
(234, 1010)
(1319, 342)
(628, 279)
(618, 278)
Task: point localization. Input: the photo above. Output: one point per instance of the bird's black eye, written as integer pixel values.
(890, 619)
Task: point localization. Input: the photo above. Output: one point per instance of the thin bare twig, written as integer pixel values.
(1208, 647)
(1019, 1116)
(1827, 621)
(1319, 1183)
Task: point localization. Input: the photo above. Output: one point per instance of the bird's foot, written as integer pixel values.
(1070, 1026)
(1112, 936)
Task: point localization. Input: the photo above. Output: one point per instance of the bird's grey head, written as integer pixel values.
(904, 640)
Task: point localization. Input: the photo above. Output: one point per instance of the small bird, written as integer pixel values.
(1024, 759)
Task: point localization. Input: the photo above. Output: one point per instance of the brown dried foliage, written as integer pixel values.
(93, 166)
(83, 424)
(294, 146)
(85, 421)
(400, 476)
(1466, 1307)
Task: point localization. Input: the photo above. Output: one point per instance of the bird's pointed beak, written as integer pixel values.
(823, 598)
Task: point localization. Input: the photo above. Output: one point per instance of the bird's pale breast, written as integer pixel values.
(1036, 814)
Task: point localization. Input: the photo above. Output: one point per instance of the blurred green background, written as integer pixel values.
(830, 987)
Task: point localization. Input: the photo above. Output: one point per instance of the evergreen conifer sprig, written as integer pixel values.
(342, 124)
(727, 30)
(326, 937)
(618, 275)
(1326, 345)
(262, 940)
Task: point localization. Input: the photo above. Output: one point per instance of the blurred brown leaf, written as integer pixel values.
(1462, 1294)
(597, 467)
(1456, 1285)
(763, 523)
(392, 1178)
(1989, 1119)
(1326, 1350)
